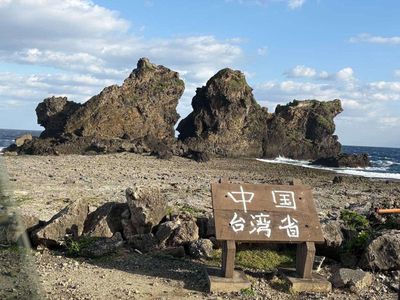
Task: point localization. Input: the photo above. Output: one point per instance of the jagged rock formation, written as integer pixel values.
(303, 130)
(139, 116)
(226, 119)
(145, 105)
(130, 117)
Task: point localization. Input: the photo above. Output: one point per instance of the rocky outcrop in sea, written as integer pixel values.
(140, 115)
(136, 116)
(226, 119)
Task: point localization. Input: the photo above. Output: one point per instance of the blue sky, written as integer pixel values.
(288, 49)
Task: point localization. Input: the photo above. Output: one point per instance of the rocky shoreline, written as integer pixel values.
(43, 185)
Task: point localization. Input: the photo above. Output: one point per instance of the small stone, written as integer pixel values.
(356, 280)
(201, 248)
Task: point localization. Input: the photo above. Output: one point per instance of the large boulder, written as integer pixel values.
(105, 221)
(303, 130)
(383, 253)
(147, 207)
(69, 221)
(145, 105)
(130, 117)
(179, 231)
(187, 231)
(226, 119)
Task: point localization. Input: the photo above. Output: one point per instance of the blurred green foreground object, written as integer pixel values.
(18, 278)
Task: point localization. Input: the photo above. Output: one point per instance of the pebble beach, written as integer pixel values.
(42, 185)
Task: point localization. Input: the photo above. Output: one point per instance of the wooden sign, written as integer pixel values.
(265, 213)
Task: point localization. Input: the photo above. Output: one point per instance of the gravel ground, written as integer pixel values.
(44, 185)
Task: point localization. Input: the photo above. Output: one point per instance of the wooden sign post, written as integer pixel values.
(267, 214)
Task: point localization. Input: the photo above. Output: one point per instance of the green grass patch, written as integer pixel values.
(75, 247)
(248, 292)
(264, 260)
(354, 221)
(361, 225)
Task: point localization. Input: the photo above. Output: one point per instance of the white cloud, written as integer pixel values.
(90, 46)
(356, 96)
(324, 75)
(370, 114)
(301, 71)
(346, 74)
(367, 38)
(25, 89)
(293, 4)
(393, 86)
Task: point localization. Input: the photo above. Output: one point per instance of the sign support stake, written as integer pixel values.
(228, 258)
(305, 254)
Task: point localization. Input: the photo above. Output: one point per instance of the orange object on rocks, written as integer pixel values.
(388, 210)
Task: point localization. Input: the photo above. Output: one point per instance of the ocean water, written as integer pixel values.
(7, 136)
(385, 162)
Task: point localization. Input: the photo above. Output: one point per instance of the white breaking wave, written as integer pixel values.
(384, 163)
(370, 174)
(365, 172)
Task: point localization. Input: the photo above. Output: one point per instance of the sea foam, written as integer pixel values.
(371, 172)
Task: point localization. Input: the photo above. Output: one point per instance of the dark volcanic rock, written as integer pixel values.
(53, 113)
(145, 105)
(344, 160)
(136, 116)
(139, 116)
(303, 130)
(226, 119)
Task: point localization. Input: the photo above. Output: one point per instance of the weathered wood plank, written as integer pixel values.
(265, 213)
